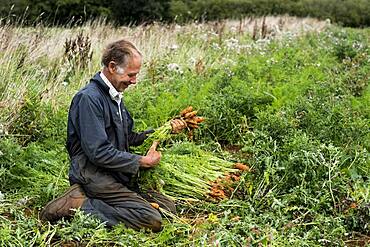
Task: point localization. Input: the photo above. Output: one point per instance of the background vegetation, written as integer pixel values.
(289, 97)
(353, 13)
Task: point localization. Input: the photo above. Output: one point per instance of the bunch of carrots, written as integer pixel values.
(163, 133)
(185, 172)
(191, 118)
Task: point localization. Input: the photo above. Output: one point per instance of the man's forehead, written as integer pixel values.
(134, 63)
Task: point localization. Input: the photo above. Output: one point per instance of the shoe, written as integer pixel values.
(60, 207)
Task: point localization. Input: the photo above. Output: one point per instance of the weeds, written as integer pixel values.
(77, 51)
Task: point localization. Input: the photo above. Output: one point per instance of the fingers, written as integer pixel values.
(157, 154)
(178, 122)
(154, 145)
(151, 159)
(178, 125)
(182, 123)
(155, 158)
(174, 124)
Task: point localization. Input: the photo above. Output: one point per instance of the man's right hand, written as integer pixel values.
(152, 158)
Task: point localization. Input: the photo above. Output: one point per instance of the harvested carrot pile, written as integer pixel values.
(223, 187)
(186, 172)
(242, 167)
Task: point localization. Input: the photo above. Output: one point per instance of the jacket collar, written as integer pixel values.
(113, 93)
(99, 81)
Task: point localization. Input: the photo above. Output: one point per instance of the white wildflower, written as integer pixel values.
(2, 196)
(174, 67)
(23, 201)
(192, 60)
(271, 61)
(215, 46)
(229, 73)
(161, 182)
(263, 41)
(174, 47)
(325, 241)
(213, 34)
(357, 45)
(227, 61)
(203, 37)
(245, 47)
(64, 83)
(233, 29)
(232, 44)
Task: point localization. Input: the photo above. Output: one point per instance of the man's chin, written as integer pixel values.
(120, 90)
(123, 88)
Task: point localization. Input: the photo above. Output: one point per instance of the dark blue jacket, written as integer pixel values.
(97, 139)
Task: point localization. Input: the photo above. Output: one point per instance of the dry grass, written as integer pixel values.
(153, 39)
(35, 57)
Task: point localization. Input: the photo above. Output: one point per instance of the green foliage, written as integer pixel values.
(42, 168)
(38, 121)
(295, 109)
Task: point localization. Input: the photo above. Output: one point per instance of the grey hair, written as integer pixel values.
(120, 52)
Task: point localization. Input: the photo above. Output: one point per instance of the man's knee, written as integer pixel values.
(155, 222)
(156, 225)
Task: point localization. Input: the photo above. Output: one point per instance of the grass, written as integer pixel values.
(294, 106)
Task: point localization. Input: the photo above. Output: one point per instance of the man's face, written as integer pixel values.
(124, 77)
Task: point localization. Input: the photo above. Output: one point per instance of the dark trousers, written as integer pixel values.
(114, 203)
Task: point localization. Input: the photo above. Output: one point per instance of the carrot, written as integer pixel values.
(199, 119)
(154, 205)
(191, 121)
(186, 110)
(193, 126)
(190, 114)
(241, 167)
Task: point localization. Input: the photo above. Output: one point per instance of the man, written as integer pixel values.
(100, 131)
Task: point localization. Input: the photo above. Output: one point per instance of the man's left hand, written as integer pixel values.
(178, 125)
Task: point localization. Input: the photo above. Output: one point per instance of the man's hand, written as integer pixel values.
(152, 158)
(178, 125)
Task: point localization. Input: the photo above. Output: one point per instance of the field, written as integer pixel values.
(288, 97)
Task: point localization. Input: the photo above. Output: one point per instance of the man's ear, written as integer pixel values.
(112, 67)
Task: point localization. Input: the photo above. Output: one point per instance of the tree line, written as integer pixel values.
(352, 13)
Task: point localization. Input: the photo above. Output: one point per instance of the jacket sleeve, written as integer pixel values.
(95, 142)
(135, 139)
